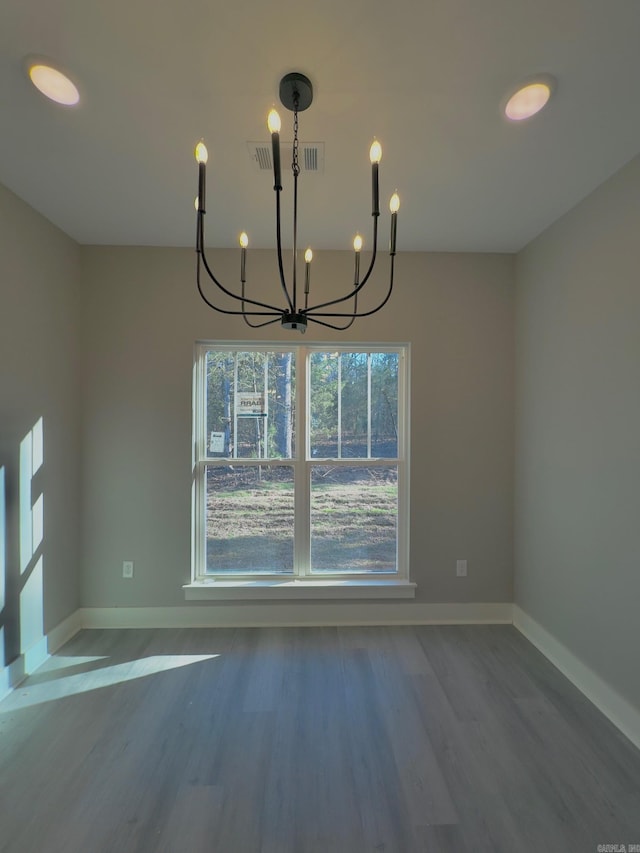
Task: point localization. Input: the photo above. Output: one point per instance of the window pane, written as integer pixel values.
(354, 519)
(249, 519)
(250, 404)
(384, 404)
(354, 405)
(324, 393)
(354, 408)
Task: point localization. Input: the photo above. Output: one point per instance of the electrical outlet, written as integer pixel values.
(461, 568)
(127, 569)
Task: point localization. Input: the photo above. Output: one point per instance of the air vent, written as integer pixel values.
(310, 157)
(263, 157)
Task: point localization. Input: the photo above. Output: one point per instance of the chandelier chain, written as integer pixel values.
(295, 165)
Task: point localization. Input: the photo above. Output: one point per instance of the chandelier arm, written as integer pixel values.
(272, 308)
(259, 325)
(313, 308)
(201, 255)
(332, 325)
(274, 311)
(199, 231)
(279, 249)
(246, 315)
(363, 313)
(374, 253)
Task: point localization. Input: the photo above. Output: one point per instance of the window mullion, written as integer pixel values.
(302, 466)
(339, 405)
(235, 408)
(198, 523)
(369, 405)
(265, 420)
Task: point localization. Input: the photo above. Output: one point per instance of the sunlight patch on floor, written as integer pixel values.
(106, 676)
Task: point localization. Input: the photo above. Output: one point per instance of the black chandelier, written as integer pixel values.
(296, 94)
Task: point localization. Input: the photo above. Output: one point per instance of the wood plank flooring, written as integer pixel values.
(448, 739)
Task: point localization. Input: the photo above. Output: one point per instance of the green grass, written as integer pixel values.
(251, 528)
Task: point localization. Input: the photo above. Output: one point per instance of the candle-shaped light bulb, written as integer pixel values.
(244, 242)
(273, 122)
(196, 203)
(202, 155)
(375, 155)
(394, 206)
(308, 257)
(357, 246)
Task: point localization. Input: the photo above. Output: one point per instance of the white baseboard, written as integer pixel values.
(615, 707)
(64, 631)
(296, 614)
(11, 675)
(22, 666)
(33, 657)
(249, 615)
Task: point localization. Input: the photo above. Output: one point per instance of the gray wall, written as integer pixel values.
(140, 317)
(39, 359)
(578, 431)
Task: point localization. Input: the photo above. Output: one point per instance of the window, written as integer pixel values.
(300, 462)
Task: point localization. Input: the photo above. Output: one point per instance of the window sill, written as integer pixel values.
(298, 589)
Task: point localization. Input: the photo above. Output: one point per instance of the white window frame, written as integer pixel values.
(302, 583)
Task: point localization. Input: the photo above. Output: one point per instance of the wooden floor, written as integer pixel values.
(335, 740)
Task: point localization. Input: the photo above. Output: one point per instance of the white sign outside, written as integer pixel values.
(216, 442)
(250, 405)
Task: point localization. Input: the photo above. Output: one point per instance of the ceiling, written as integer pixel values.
(426, 78)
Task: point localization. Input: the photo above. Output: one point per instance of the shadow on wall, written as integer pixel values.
(22, 640)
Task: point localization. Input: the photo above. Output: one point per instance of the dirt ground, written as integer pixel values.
(250, 524)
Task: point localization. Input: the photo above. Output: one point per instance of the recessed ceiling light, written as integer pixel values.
(528, 100)
(53, 83)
